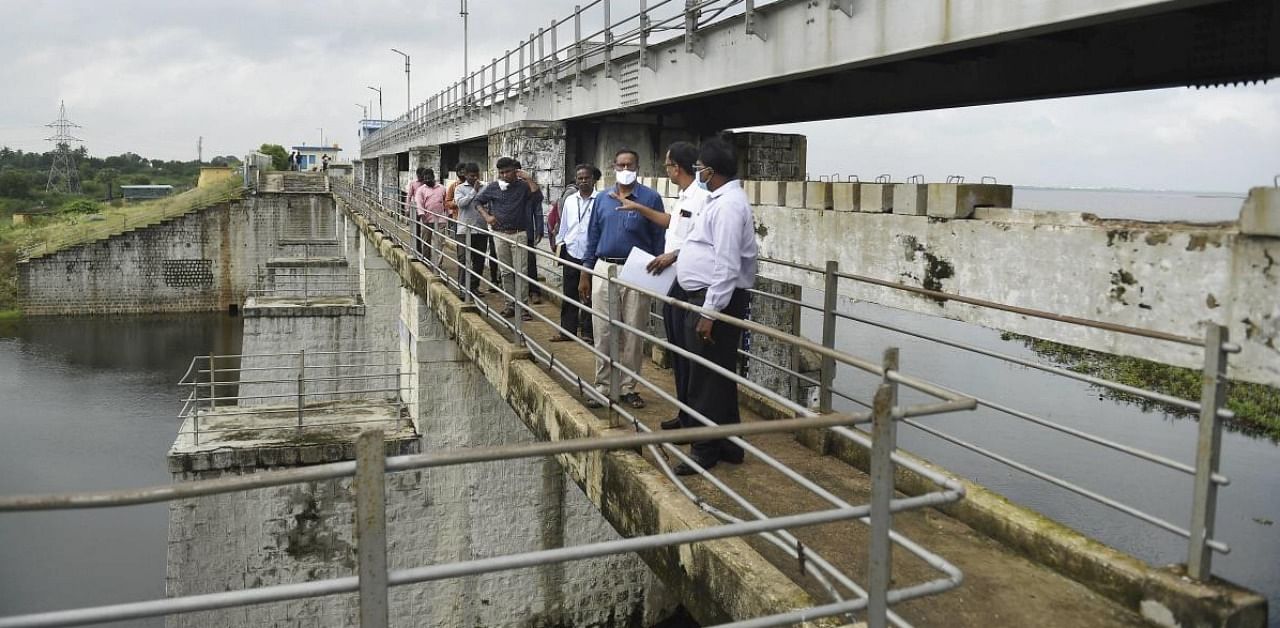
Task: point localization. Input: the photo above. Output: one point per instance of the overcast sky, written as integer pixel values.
(152, 76)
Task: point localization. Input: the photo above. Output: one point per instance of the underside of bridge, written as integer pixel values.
(1198, 46)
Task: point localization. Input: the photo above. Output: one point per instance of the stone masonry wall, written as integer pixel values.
(540, 148)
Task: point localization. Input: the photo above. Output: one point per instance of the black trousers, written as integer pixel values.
(709, 393)
(572, 319)
(479, 244)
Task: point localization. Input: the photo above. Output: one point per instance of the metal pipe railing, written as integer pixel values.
(831, 357)
(399, 232)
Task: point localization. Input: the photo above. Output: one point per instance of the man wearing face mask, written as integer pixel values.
(678, 223)
(611, 234)
(504, 204)
(715, 268)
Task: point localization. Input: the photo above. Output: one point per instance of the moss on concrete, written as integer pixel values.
(1257, 407)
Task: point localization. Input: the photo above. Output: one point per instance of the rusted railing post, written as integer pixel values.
(1204, 505)
(371, 528)
(830, 301)
(302, 373)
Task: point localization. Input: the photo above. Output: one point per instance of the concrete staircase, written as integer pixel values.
(296, 183)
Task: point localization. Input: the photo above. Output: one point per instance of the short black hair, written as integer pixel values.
(624, 151)
(470, 167)
(420, 171)
(718, 155)
(428, 172)
(595, 172)
(506, 162)
(460, 166)
(683, 154)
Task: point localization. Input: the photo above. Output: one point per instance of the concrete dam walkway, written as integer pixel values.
(1001, 585)
(330, 288)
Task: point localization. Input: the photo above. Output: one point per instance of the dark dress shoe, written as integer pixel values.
(735, 457)
(672, 424)
(705, 463)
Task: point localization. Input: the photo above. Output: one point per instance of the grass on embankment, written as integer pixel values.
(47, 234)
(1257, 407)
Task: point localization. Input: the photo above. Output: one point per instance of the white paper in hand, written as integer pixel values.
(633, 272)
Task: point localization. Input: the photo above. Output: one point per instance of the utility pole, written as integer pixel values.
(321, 135)
(465, 65)
(407, 85)
(200, 150)
(381, 116)
(63, 175)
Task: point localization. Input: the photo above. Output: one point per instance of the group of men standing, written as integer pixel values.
(708, 236)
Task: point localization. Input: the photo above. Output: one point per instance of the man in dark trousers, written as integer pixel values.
(715, 268)
(575, 217)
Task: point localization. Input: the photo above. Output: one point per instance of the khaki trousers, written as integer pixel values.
(510, 253)
(635, 312)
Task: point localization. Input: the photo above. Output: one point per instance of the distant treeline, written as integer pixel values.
(24, 175)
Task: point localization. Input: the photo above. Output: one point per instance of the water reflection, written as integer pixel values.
(90, 404)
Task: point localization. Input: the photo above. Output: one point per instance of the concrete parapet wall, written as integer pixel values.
(715, 581)
(1168, 277)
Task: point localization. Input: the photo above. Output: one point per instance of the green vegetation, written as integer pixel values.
(279, 156)
(1257, 407)
(70, 220)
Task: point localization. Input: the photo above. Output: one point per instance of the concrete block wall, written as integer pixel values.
(205, 260)
(1119, 271)
(771, 156)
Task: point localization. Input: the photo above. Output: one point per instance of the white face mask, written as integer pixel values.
(626, 177)
(502, 185)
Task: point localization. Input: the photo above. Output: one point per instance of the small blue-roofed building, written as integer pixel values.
(145, 192)
(311, 157)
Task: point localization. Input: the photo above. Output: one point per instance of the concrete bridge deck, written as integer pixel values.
(736, 578)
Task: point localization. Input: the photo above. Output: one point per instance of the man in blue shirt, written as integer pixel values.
(611, 235)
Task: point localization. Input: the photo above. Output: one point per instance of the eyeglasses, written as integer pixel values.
(669, 165)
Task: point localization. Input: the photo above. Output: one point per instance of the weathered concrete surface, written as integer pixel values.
(1260, 215)
(959, 200)
(1000, 585)
(205, 260)
(1160, 595)
(715, 581)
(1168, 277)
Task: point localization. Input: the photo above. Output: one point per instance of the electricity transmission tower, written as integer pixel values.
(63, 175)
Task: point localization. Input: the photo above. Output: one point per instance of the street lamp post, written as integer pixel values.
(463, 12)
(407, 84)
(364, 110)
(381, 116)
(321, 135)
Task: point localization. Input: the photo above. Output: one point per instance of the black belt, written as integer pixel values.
(615, 260)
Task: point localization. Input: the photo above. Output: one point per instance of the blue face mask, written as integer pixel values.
(697, 180)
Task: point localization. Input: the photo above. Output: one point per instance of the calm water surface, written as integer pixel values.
(91, 404)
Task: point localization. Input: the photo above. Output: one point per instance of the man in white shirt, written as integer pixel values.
(575, 217)
(714, 269)
(679, 222)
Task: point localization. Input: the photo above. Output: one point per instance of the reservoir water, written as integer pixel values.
(91, 404)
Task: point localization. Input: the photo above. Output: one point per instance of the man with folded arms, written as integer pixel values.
(505, 206)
